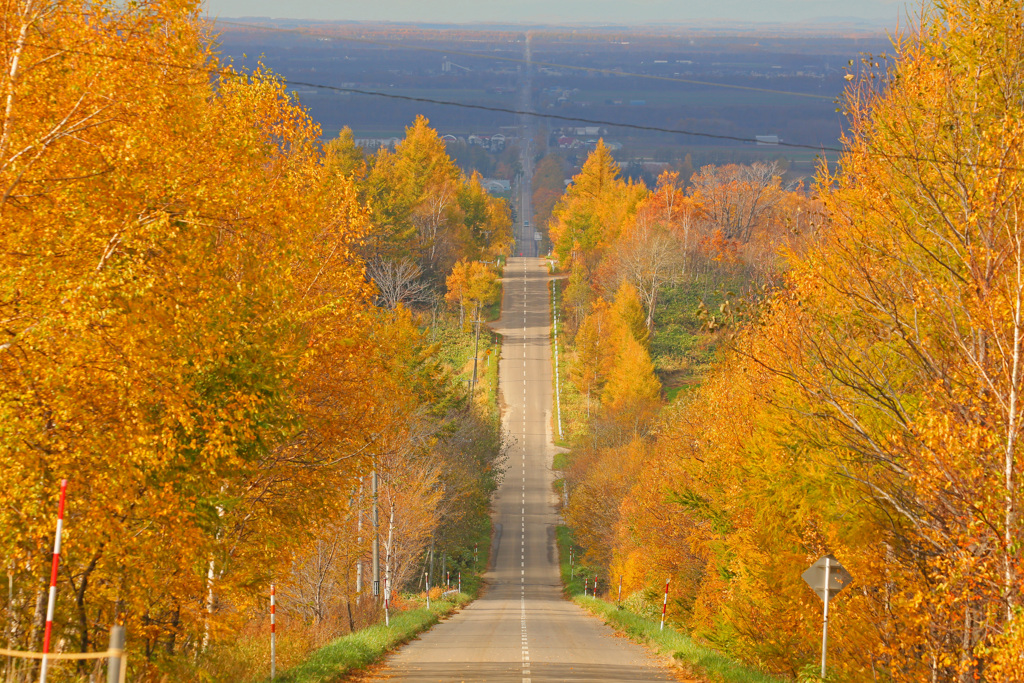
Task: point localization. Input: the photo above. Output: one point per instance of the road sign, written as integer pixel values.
(537, 236)
(827, 572)
(827, 578)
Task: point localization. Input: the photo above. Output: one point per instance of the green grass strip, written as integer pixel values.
(697, 659)
(694, 658)
(364, 647)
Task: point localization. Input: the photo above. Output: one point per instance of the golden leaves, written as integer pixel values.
(178, 285)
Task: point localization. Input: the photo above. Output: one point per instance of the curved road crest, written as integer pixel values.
(521, 629)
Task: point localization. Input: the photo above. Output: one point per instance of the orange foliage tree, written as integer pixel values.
(872, 410)
(193, 345)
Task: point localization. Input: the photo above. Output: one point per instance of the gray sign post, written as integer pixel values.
(827, 578)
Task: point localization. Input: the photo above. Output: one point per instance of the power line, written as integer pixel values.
(556, 117)
(224, 73)
(517, 60)
(506, 110)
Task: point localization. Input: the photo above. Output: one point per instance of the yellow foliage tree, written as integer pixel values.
(192, 345)
(472, 281)
(872, 411)
(594, 209)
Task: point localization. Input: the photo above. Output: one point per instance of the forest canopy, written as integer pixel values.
(207, 345)
(864, 396)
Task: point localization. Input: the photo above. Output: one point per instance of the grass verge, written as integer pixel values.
(364, 647)
(358, 650)
(492, 311)
(559, 374)
(689, 655)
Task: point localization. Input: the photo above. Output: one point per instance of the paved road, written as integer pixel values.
(525, 244)
(521, 629)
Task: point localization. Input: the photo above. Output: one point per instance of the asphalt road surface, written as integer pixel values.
(521, 629)
(526, 244)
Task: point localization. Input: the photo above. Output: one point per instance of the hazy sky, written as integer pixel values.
(886, 13)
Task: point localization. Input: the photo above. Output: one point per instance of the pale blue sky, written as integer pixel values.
(885, 13)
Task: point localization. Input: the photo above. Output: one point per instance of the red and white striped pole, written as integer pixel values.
(273, 632)
(460, 582)
(664, 605)
(53, 582)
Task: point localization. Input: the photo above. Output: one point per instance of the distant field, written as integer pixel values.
(469, 95)
(660, 97)
(702, 97)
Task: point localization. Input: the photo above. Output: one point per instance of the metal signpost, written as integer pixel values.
(827, 578)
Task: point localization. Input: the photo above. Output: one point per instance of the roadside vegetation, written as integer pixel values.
(217, 355)
(358, 650)
(762, 375)
(637, 617)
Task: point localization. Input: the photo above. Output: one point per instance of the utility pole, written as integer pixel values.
(430, 569)
(476, 348)
(387, 567)
(376, 536)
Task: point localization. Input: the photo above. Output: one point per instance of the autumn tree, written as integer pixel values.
(737, 198)
(870, 410)
(342, 156)
(486, 224)
(547, 186)
(654, 250)
(629, 311)
(919, 377)
(592, 212)
(194, 346)
(611, 361)
(398, 282)
(426, 209)
(472, 282)
(593, 353)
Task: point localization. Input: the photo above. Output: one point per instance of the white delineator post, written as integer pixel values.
(664, 605)
(824, 628)
(273, 632)
(52, 605)
(620, 589)
(558, 390)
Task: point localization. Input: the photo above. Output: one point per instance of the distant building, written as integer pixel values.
(494, 143)
(496, 185)
(371, 144)
(767, 139)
